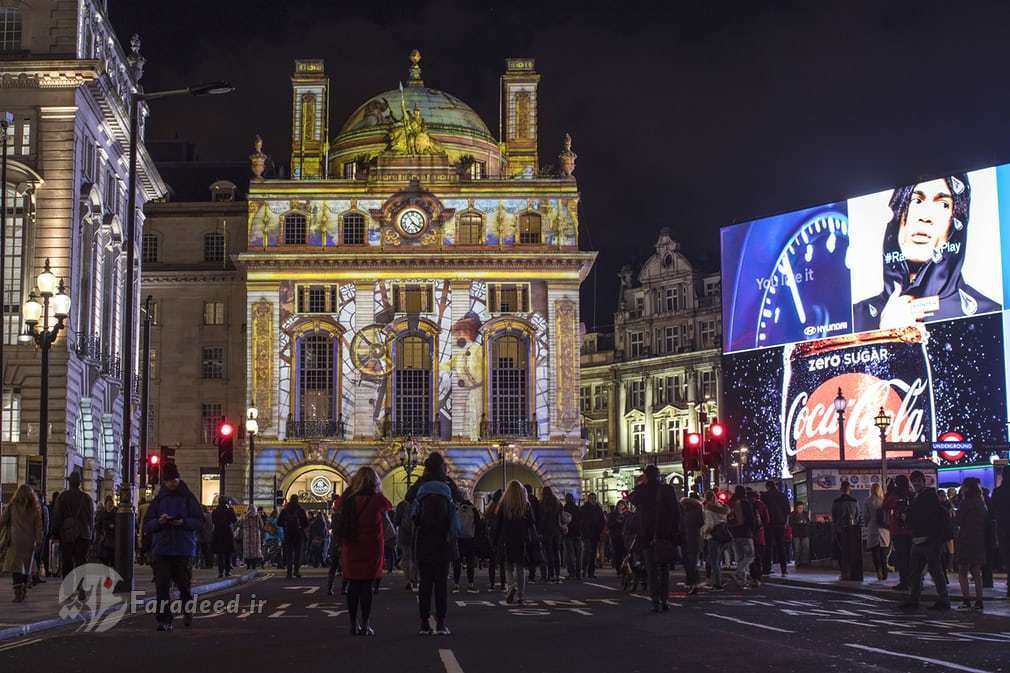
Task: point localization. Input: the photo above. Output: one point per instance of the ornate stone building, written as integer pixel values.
(67, 82)
(657, 376)
(415, 278)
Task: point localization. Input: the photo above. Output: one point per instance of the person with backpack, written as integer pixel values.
(436, 531)
(294, 522)
(930, 531)
(513, 531)
(875, 532)
(742, 523)
(469, 532)
(778, 508)
(570, 527)
(657, 504)
(404, 522)
(592, 521)
(73, 524)
(848, 534)
(549, 526)
(897, 505)
(717, 536)
(363, 545)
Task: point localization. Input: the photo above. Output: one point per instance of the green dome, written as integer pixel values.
(443, 113)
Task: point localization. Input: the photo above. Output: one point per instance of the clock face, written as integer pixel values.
(412, 222)
(802, 299)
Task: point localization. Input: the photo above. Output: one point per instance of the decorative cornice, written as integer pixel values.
(47, 74)
(160, 277)
(286, 189)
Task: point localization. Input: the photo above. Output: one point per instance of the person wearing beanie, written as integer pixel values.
(173, 520)
(73, 524)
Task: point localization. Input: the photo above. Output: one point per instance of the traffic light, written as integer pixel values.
(225, 443)
(692, 451)
(167, 453)
(722, 496)
(715, 444)
(153, 468)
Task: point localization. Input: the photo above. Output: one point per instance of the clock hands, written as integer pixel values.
(787, 270)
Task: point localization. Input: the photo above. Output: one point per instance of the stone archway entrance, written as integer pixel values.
(315, 485)
(492, 481)
(394, 484)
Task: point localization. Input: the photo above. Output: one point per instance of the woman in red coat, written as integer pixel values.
(362, 542)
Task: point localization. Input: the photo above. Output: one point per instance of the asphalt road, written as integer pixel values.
(584, 627)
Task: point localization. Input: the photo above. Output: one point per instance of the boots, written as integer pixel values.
(20, 593)
(329, 586)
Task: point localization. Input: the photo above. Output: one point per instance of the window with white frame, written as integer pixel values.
(636, 394)
(708, 385)
(585, 398)
(9, 470)
(636, 344)
(671, 338)
(13, 259)
(601, 442)
(637, 438)
(706, 333)
(10, 29)
(11, 424)
(601, 396)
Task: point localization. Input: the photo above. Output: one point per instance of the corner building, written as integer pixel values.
(415, 278)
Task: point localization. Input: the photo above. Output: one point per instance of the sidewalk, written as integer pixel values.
(41, 611)
(827, 578)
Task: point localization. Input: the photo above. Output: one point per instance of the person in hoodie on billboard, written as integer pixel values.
(923, 255)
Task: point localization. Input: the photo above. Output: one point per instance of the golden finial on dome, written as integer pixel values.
(414, 71)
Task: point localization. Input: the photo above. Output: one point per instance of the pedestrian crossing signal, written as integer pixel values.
(692, 451)
(225, 443)
(153, 469)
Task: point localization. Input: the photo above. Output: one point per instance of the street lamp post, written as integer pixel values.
(840, 404)
(6, 121)
(44, 336)
(252, 426)
(125, 516)
(408, 459)
(741, 461)
(883, 421)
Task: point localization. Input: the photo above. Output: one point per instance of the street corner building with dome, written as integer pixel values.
(413, 286)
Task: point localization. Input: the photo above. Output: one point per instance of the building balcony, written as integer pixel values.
(316, 428)
(88, 347)
(508, 428)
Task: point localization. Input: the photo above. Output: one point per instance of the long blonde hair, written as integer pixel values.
(24, 497)
(515, 503)
(877, 493)
(365, 482)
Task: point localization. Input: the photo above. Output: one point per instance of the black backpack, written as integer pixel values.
(433, 515)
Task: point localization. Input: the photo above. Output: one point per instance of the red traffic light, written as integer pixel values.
(153, 459)
(716, 429)
(693, 439)
(723, 496)
(226, 429)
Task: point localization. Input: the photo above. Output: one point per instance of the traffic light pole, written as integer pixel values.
(221, 483)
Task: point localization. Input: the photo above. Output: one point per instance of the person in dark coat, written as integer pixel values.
(571, 530)
(656, 502)
(535, 509)
(73, 524)
(294, 522)
(592, 521)
(362, 517)
(845, 519)
(549, 526)
(105, 532)
(930, 531)
(692, 520)
(436, 534)
(513, 529)
(971, 548)
(1001, 514)
(775, 532)
(615, 527)
(223, 541)
(172, 520)
(897, 503)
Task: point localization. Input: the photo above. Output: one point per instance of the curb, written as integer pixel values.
(32, 628)
(851, 588)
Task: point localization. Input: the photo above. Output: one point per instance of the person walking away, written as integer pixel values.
(105, 532)
(742, 521)
(775, 531)
(173, 520)
(761, 564)
(363, 546)
(405, 543)
(930, 531)
(848, 534)
(716, 534)
(875, 532)
(493, 564)
(592, 521)
(42, 549)
(550, 531)
(799, 522)
(535, 509)
(73, 524)
(1001, 515)
(294, 522)
(469, 527)
(335, 544)
(657, 504)
(252, 539)
(897, 505)
(692, 520)
(223, 541)
(971, 517)
(570, 526)
(20, 535)
(513, 530)
(436, 531)
(615, 529)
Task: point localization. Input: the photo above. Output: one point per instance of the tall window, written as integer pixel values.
(636, 344)
(213, 313)
(636, 394)
(354, 229)
(149, 249)
(529, 228)
(469, 229)
(509, 297)
(510, 412)
(350, 170)
(10, 29)
(294, 229)
(412, 384)
(708, 385)
(210, 415)
(315, 377)
(706, 333)
(213, 247)
(585, 398)
(601, 396)
(411, 298)
(601, 442)
(638, 438)
(84, 430)
(11, 425)
(13, 252)
(212, 362)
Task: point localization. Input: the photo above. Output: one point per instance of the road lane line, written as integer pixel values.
(600, 586)
(938, 662)
(450, 662)
(829, 591)
(19, 643)
(741, 621)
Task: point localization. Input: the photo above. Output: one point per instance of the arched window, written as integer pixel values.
(529, 228)
(412, 385)
(213, 247)
(294, 229)
(354, 229)
(509, 393)
(317, 395)
(149, 249)
(469, 230)
(13, 258)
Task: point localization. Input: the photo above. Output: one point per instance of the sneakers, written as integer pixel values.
(511, 596)
(163, 626)
(979, 607)
(940, 606)
(425, 629)
(441, 629)
(455, 588)
(472, 588)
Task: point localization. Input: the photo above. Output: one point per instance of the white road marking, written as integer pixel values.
(19, 643)
(449, 661)
(644, 598)
(741, 621)
(600, 586)
(938, 662)
(828, 591)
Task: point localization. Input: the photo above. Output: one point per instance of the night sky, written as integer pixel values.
(690, 115)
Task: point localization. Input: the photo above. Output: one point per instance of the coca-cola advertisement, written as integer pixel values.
(931, 379)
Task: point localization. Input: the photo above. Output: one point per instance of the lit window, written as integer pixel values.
(354, 229)
(636, 343)
(476, 171)
(510, 413)
(26, 137)
(469, 229)
(410, 298)
(212, 362)
(585, 398)
(9, 470)
(210, 415)
(213, 247)
(13, 253)
(10, 29)
(315, 377)
(213, 313)
(11, 424)
(638, 438)
(636, 394)
(412, 385)
(601, 397)
(529, 228)
(149, 249)
(509, 298)
(294, 229)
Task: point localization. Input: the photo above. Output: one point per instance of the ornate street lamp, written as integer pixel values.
(409, 458)
(44, 335)
(840, 404)
(883, 421)
(251, 428)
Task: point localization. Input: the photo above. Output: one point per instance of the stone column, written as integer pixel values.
(622, 424)
(691, 376)
(650, 435)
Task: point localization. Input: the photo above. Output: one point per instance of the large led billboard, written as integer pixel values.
(894, 299)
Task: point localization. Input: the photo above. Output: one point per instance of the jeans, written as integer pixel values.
(73, 554)
(516, 573)
(573, 556)
(743, 549)
(293, 556)
(359, 596)
(801, 550)
(715, 552)
(457, 568)
(924, 556)
(552, 552)
(659, 577)
(169, 569)
(589, 548)
(901, 556)
(776, 536)
(434, 579)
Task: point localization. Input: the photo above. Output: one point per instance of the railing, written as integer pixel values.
(87, 346)
(316, 428)
(409, 427)
(508, 427)
(111, 365)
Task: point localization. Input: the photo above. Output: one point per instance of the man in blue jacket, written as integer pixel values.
(173, 520)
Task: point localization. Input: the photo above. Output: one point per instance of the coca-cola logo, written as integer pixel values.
(812, 421)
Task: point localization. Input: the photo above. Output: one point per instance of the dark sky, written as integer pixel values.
(691, 115)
